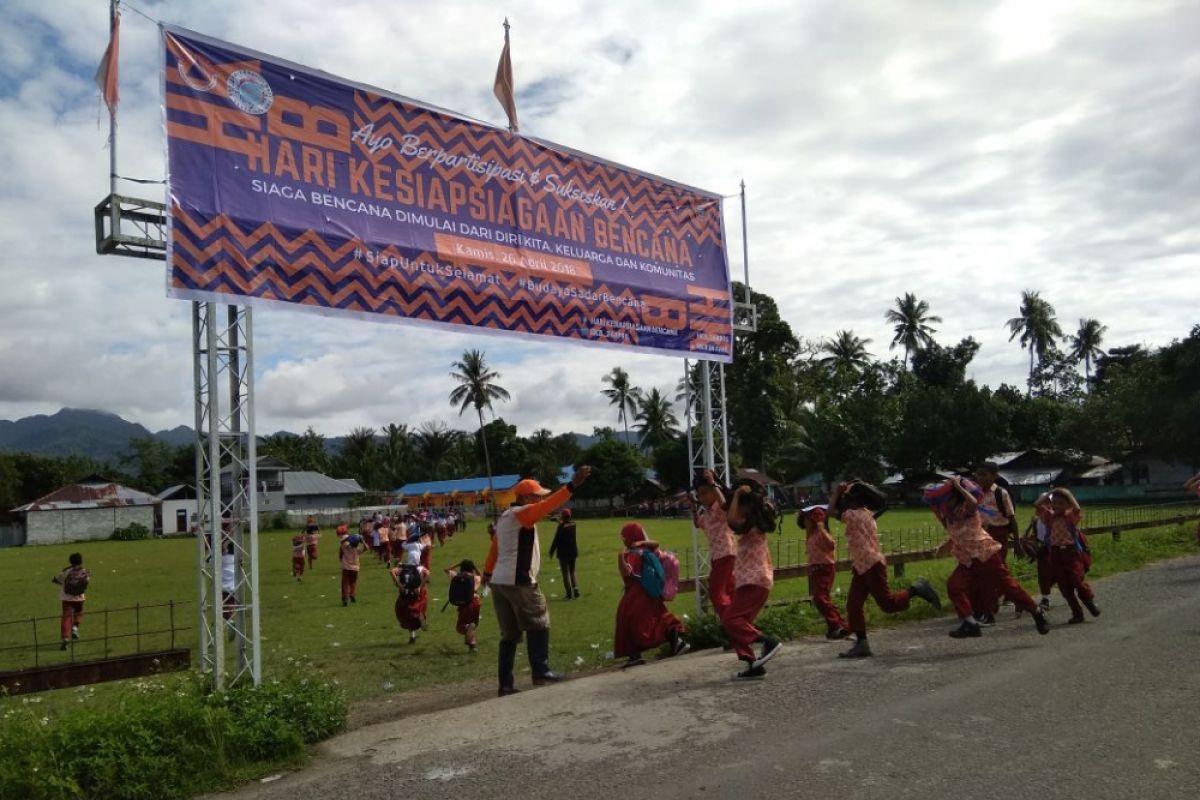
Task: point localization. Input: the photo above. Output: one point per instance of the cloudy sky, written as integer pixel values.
(962, 151)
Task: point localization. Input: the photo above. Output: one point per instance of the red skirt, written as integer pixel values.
(411, 610)
(468, 615)
(642, 622)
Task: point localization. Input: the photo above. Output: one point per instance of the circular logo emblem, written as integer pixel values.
(250, 92)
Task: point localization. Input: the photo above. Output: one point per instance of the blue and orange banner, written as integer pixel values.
(289, 186)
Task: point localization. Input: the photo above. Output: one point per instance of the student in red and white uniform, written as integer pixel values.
(298, 550)
(708, 514)
(349, 553)
(753, 578)
(411, 608)
(312, 537)
(980, 571)
(512, 568)
(467, 623)
(999, 519)
(868, 576)
(643, 622)
(1059, 511)
(822, 559)
(1192, 485)
(73, 579)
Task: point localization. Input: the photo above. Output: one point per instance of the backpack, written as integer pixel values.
(670, 564)
(409, 579)
(462, 589)
(654, 576)
(76, 581)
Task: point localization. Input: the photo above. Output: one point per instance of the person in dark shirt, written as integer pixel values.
(567, 550)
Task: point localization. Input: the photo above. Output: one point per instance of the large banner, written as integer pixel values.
(290, 186)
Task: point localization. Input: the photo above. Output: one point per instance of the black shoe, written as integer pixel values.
(680, 647)
(835, 634)
(344, 603)
(576, 594)
(923, 590)
(505, 691)
(860, 650)
(353, 599)
(770, 649)
(967, 630)
(1076, 619)
(1092, 608)
(1044, 604)
(985, 620)
(750, 673)
(547, 679)
(633, 661)
(1043, 624)
(64, 645)
(568, 596)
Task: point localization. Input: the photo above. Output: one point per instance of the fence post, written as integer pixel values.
(137, 626)
(33, 621)
(172, 604)
(106, 633)
(898, 568)
(1116, 534)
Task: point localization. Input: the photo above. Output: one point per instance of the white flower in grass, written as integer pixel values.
(335, 644)
(595, 645)
(579, 661)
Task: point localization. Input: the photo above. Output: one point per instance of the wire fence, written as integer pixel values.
(103, 633)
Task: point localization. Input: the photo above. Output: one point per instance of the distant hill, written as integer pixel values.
(105, 436)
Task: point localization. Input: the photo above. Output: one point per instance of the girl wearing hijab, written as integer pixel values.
(643, 622)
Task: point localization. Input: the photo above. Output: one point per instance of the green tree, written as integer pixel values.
(397, 455)
(435, 442)
(1037, 326)
(623, 394)
(846, 352)
(477, 388)
(910, 321)
(360, 458)
(670, 461)
(1085, 345)
(617, 471)
(656, 420)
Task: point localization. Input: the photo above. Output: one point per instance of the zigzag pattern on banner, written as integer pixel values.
(216, 255)
(653, 205)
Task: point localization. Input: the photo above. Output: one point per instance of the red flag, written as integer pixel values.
(503, 88)
(106, 73)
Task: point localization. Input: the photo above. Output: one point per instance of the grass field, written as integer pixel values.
(363, 647)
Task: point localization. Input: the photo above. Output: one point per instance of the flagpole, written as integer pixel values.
(510, 127)
(112, 112)
(745, 248)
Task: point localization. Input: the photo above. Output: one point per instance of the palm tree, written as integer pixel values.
(656, 420)
(1037, 326)
(1085, 344)
(435, 443)
(397, 453)
(846, 351)
(622, 394)
(477, 388)
(910, 319)
(360, 456)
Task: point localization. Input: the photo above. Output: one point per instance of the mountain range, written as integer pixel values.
(105, 436)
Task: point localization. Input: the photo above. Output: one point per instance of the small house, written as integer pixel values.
(84, 511)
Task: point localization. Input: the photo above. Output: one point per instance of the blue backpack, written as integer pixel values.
(653, 577)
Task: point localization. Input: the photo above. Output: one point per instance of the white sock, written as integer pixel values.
(970, 619)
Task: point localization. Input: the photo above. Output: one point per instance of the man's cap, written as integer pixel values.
(529, 486)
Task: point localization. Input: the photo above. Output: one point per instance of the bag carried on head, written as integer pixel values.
(76, 581)
(760, 510)
(654, 575)
(462, 589)
(409, 579)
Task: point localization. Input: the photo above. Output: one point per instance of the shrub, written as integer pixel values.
(166, 739)
(131, 532)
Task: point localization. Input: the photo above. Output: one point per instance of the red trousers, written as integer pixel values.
(349, 583)
(468, 615)
(720, 584)
(1001, 534)
(820, 584)
(983, 599)
(312, 554)
(873, 583)
(72, 616)
(1067, 565)
(738, 621)
(989, 579)
(410, 611)
(1045, 571)
(297, 565)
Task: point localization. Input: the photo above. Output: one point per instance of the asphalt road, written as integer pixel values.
(1109, 709)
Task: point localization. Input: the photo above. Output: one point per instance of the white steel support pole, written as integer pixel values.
(203, 512)
(707, 406)
(252, 467)
(216, 502)
(724, 474)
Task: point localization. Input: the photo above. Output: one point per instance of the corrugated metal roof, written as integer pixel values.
(90, 495)
(466, 485)
(1101, 471)
(302, 482)
(1033, 476)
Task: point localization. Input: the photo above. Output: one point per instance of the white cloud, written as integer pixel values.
(960, 151)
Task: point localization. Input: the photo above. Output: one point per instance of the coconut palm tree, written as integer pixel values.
(910, 320)
(622, 394)
(656, 420)
(1085, 344)
(1037, 326)
(691, 385)
(845, 351)
(477, 388)
(435, 443)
